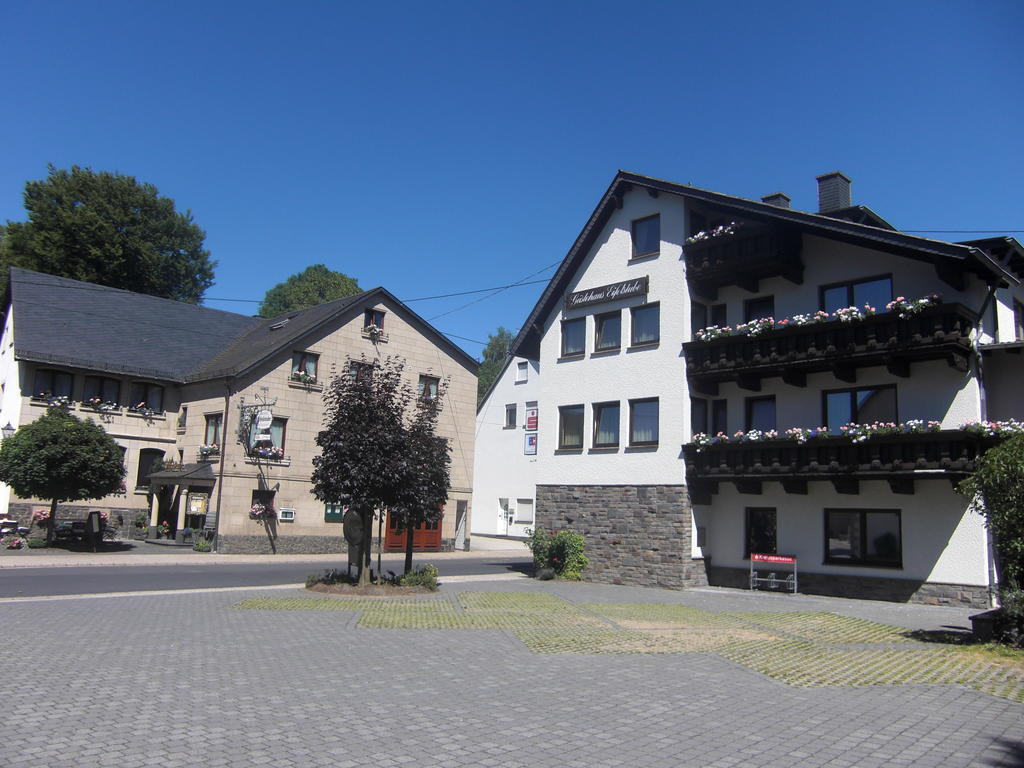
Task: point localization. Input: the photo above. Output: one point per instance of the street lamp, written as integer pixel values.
(7, 431)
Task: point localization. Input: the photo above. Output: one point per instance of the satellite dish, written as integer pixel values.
(352, 525)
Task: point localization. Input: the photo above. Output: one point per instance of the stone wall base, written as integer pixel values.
(233, 544)
(865, 587)
(635, 534)
(22, 512)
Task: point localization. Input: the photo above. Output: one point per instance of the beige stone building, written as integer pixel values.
(230, 404)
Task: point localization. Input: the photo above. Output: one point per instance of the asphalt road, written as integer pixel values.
(36, 582)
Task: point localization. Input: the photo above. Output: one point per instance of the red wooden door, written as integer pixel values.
(426, 537)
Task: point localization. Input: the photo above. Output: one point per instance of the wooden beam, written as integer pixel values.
(797, 485)
(749, 487)
(847, 485)
(959, 362)
(748, 382)
(845, 372)
(701, 491)
(904, 485)
(898, 366)
(704, 387)
(794, 378)
(951, 274)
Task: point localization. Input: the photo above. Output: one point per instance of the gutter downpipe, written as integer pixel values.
(223, 452)
(993, 581)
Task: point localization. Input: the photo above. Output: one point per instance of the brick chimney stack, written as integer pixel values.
(834, 192)
(778, 199)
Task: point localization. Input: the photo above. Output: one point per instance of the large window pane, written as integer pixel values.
(609, 331)
(877, 293)
(863, 537)
(213, 427)
(761, 531)
(834, 298)
(755, 309)
(838, 410)
(570, 426)
(53, 383)
(574, 337)
(646, 236)
(876, 405)
(646, 321)
(719, 416)
(882, 539)
(843, 535)
(761, 413)
(606, 425)
(643, 421)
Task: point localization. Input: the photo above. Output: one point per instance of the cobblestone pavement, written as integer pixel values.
(193, 679)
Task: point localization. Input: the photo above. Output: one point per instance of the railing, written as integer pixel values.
(938, 332)
(949, 452)
(743, 258)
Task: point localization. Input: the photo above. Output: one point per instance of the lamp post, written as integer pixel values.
(7, 431)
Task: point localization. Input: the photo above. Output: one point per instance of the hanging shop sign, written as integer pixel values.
(531, 419)
(530, 445)
(627, 289)
(264, 419)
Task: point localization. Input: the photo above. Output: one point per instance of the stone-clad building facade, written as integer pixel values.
(184, 386)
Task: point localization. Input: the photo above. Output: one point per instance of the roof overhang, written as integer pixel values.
(200, 474)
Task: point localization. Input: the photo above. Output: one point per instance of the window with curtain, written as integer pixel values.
(643, 422)
(863, 537)
(876, 292)
(859, 406)
(761, 413)
(574, 337)
(373, 317)
(427, 387)
(647, 236)
(606, 425)
(53, 383)
(214, 423)
(304, 365)
(761, 530)
(99, 389)
(145, 395)
(570, 426)
(277, 431)
(608, 331)
(646, 324)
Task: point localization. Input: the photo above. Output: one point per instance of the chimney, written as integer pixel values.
(833, 192)
(778, 199)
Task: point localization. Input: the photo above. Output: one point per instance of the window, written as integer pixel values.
(1018, 321)
(645, 322)
(99, 390)
(147, 457)
(570, 427)
(876, 291)
(53, 383)
(698, 415)
(183, 418)
(334, 513)
(647, 236)
(373, 317)
(510, 416)
(643, 422)
(304, 366)
(719, 416)
(760, 532)
(574, 337)
(522, 371)
(524, 511)
(427, 388)
(608, 331)
(266, 498)
(761, 413)
(359, 370)
(863, 537)
(269, 444)
(859, 406)
(755, 309)
(145, 395)
(606, 425)
(214, 422)
(719, 315)
(698, 316)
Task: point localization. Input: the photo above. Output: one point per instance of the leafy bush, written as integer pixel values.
(424, 576)
(1008, 626)
(141, 520)
(36, 543)
(561, 551)
(202, 544)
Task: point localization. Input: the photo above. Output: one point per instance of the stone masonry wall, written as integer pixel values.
(234, 544)
(635, 534)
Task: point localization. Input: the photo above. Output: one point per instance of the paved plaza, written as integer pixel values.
(505, 672)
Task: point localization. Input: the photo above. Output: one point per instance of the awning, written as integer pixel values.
(200, 474)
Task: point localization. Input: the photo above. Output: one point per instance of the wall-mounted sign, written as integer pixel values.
(624, 290)
(530, 445)
(531, 419)
(263, 420)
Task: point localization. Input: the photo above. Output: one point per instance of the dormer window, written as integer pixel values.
(647, 237)
(428, 387)
(373, 317)
(304, 367)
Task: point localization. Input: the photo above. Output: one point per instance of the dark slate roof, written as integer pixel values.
(195, 474)
(286, 331)
(965, 256)
(82, 325)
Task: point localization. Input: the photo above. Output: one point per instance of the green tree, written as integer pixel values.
(314, 285)
(495, 354)
(61, 458)
(998, 481)
(109, 229)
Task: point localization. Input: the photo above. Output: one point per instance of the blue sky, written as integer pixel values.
(444, 147)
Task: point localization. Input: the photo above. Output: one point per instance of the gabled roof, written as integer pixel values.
(67, 322)
(964, 256)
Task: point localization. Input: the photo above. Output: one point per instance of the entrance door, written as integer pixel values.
(426, 537)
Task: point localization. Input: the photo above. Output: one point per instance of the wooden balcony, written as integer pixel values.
(743, 259)
(899, 459)
(940, 332)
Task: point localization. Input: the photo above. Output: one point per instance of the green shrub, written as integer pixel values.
(36, 543)
(1008, 627)
(424, 576)
(560, 551)
(141, 520)
(202, 544)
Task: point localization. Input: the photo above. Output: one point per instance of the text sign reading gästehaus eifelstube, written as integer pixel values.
(624, 290)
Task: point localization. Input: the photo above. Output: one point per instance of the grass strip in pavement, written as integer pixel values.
(661, 615)
(329, 604)
(826, 627)
(647, 641)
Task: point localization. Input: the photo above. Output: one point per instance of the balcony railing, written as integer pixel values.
(900, 459)
(743, 259)
(939, 332)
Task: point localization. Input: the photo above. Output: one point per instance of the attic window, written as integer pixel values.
(280, 325)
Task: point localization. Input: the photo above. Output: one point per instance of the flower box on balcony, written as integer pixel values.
(747, 255)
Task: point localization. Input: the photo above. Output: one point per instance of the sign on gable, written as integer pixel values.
(624, 290)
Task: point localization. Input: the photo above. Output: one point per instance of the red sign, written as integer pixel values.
(531, 419)
(773, 558)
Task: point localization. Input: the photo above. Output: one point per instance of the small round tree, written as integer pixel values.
(61, 458)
